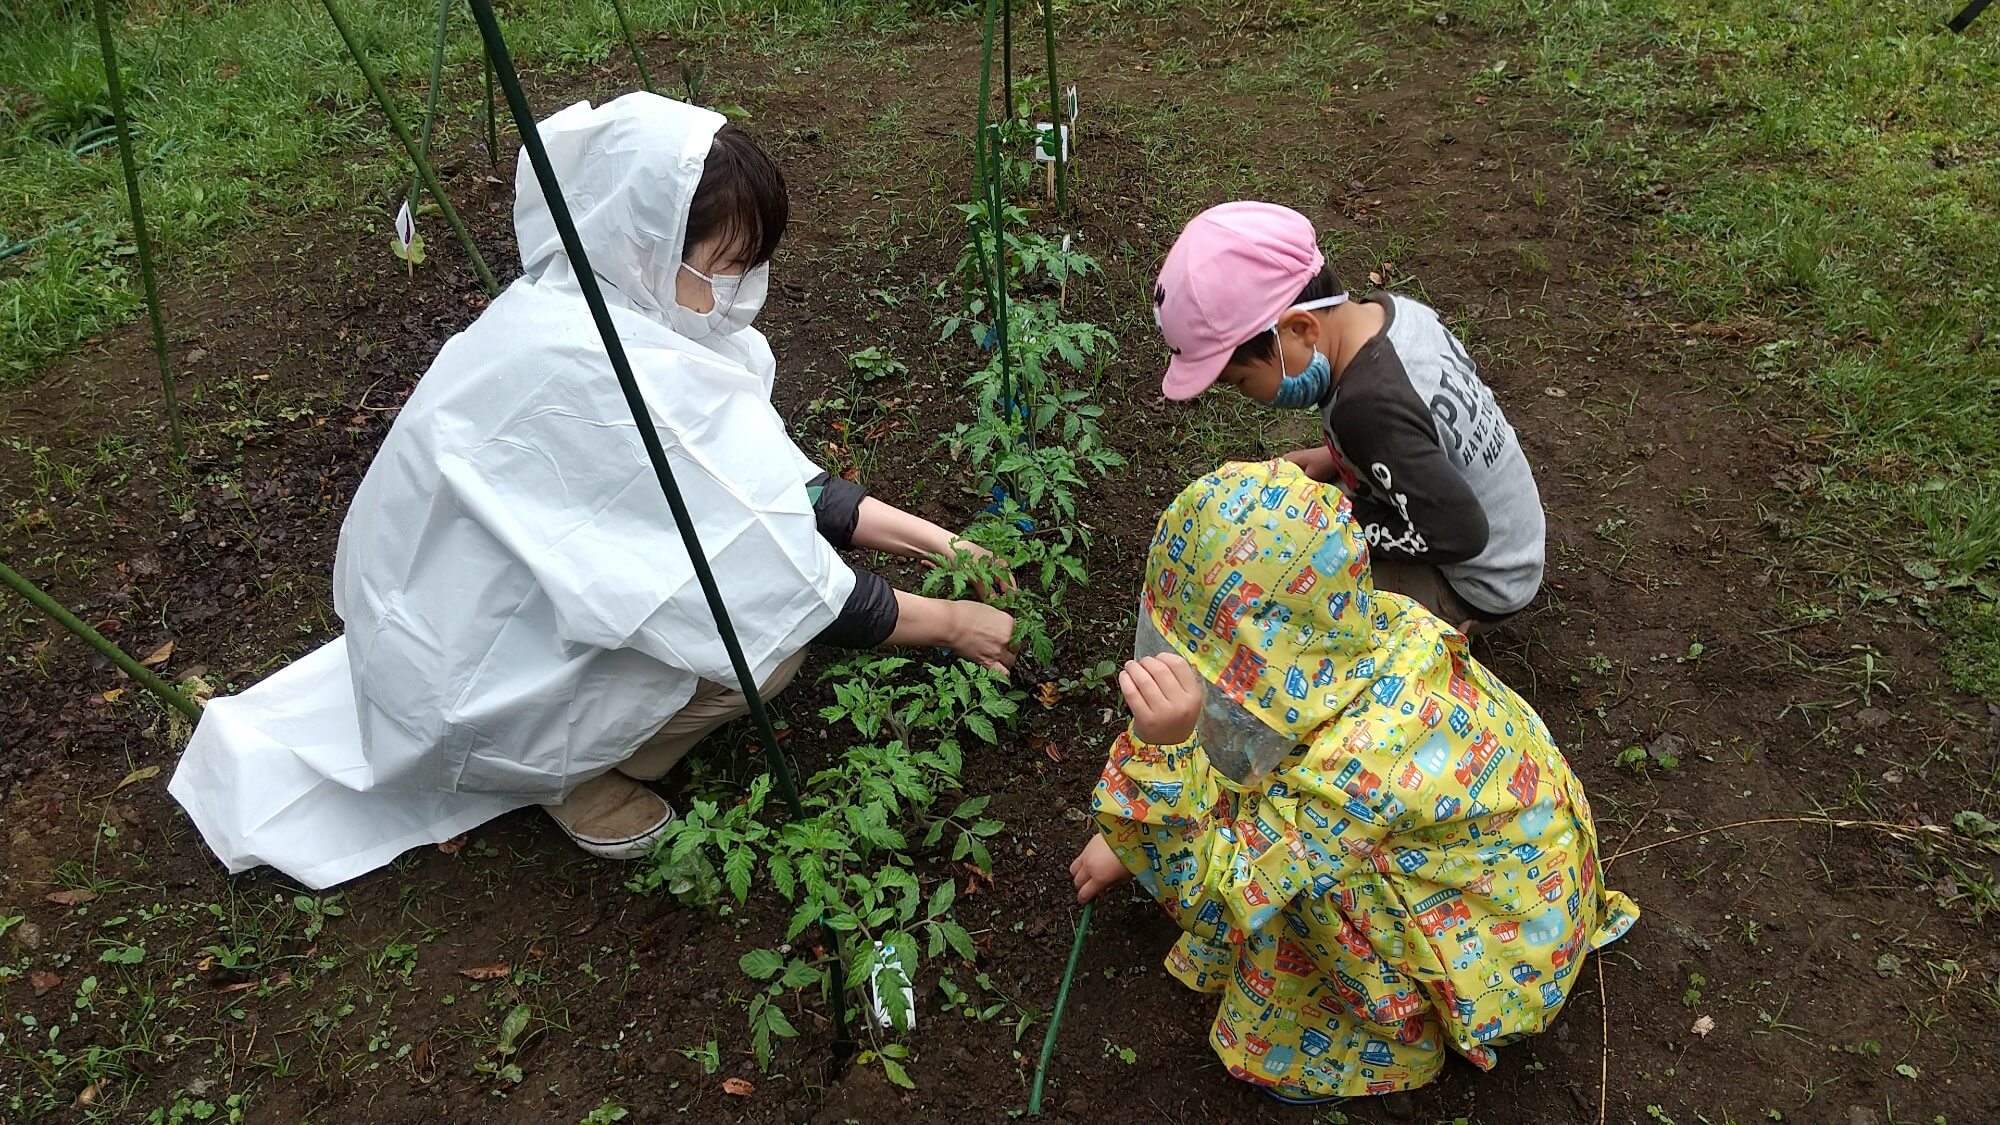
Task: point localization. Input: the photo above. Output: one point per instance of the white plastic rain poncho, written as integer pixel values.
(520, 610)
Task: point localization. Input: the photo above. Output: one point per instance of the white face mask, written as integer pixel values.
(738, 299)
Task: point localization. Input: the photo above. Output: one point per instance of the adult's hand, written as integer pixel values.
(1002, 577)
(983, 635)
(973, 630)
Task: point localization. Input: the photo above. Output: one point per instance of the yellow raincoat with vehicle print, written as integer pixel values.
(1418, 871)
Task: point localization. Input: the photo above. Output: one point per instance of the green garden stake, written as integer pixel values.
(642, 419)
(13, 580)
(410, 146)
(431, 99)
(989, 167)
(638, 60)
(492, 130)
(1056, 122)
(1055, 1017)
(116, 87)
(1007, 60)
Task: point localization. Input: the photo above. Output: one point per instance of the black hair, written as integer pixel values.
(741, 197)
(1260, 348)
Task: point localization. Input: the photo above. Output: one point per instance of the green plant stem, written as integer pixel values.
(410, 146)
(431, 99)
(1056, 119)
(35, 597)
(642, 419)
(631, 41)
(116, 87)
(1055, 1017)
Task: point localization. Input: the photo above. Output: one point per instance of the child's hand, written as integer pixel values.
(1316, 460)
(1096, 869)
(1164, 694)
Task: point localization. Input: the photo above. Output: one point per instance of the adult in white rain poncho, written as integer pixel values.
(523, 622)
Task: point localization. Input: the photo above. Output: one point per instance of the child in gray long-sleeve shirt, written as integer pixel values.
(1413, 436)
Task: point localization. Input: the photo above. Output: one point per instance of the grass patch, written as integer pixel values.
(248, 111)
(1829, 176)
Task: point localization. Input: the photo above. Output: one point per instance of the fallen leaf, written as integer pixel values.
(423, 1067)
(738, 1087)
(90, 1093)
(43, 980)
(112, 695)
(1048, 693)
(456, 844)
(70, 898)
(485, 972)
(240, 986)
(143, 773)
(1703, 1026)
(160, 656)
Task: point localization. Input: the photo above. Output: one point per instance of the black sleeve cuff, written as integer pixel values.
(869, 616)
(837, 508)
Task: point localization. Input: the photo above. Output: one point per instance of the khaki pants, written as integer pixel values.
(1426, 585)
(712, 706)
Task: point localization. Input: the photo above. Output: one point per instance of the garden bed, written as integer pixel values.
(1840, 968)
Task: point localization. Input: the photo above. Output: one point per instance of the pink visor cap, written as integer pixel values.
(1232, 271)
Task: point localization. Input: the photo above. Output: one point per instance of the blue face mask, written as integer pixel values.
(1308, 388)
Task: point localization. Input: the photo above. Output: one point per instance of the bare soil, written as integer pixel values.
(1845, 970)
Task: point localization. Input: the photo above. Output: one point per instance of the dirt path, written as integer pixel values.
(1680, 653)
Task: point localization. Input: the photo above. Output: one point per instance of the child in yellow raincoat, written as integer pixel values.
(1373, 845)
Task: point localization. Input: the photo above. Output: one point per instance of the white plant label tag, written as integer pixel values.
(1072, 103)
(406, 226)
(886, 959)
(1042, 151)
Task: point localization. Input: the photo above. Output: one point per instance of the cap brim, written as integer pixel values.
(1187, 377)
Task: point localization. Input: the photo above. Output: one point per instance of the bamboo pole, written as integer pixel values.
(638, 60)
(410, 146)
(12, 579)
(116, 87)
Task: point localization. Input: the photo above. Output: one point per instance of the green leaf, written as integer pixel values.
(961, 942)
(736, 868)
(897, 1074)
(511, 1030)
(774, 1018)
(941, 898)
(971, 806)
(799, 974)
(761, 964)
(982, 726)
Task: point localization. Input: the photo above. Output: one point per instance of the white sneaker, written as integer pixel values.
(612, 816)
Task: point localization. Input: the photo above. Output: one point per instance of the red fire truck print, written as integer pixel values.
(1472, 764)
(1441, 912)
(1294, 961)
(1303, 583)
(1240, 676)
(1526, 781)
(1462, 689)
